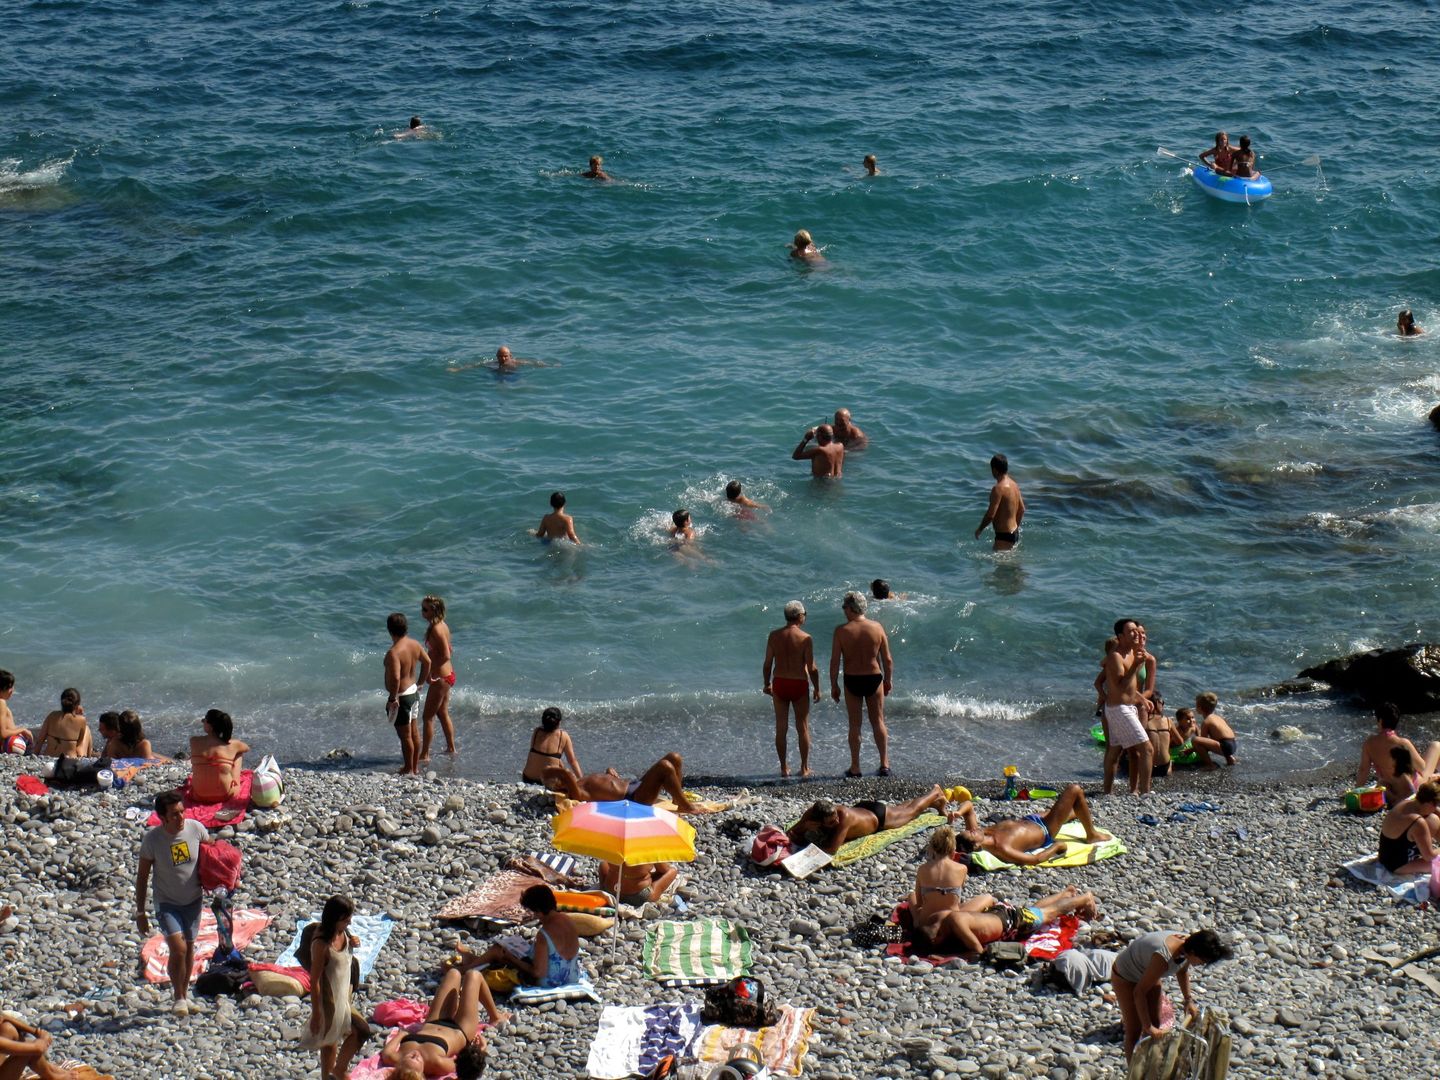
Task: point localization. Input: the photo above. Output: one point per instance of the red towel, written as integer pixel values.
(32, 785)
(215, 815)
(1044, 944)
(299, 974)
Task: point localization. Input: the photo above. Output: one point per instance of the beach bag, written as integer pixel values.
(1005, 954)
(771, 844)
(738, 1003)
(267, 786)
(501, 980)
(219, 866)
(70, 773)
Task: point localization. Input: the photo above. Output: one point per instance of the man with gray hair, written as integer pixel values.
(869, 676)
(790, 658)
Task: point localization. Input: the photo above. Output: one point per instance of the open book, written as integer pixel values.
(806, 861)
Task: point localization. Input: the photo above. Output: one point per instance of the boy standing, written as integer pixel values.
(402, 706)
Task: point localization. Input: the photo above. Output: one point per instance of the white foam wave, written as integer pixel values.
(1301, 468)
(14, 177)
(971, 708)
(1424, 516)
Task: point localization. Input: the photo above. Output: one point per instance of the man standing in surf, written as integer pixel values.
(1124, 699)
(869, 676)
(1007, 506)
(402, 687)
(790, 655)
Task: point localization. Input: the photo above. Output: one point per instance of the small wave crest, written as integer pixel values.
(14, 177)
(971, 708)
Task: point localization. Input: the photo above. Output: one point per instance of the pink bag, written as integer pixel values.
(400, 1012)
(219, 866)
(769, 846)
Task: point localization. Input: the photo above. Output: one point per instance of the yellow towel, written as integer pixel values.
(865, 846)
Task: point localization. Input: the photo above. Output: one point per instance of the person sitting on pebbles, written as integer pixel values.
(66, 731)
(554, 959)
(637, 885)
(829, 826)
(1216, 735)
(23, 1049)
(666, 776)
(977, 922)
(124, 735)
(216, 759)
(1377, 753)
(550, 748)
(1029, 841)
(939, 883)
(1409, 832)
(449, 1039)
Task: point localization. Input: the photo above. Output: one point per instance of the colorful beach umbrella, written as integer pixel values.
(623, 832)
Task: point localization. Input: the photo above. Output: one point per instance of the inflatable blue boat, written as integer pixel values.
(1232, 188)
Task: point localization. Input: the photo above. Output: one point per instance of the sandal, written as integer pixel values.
(884, 770)
(853, 775)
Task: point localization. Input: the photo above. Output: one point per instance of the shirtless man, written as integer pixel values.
(826, 457)
(1219, 155)
(402, 687)
(1007, 506)
(829, 826)
(682, 530)
(416, 130)
(666, 775)
(735, 496)
(790, 657)
(872, 167)
(637, 885)
(505, 362)
(847, 434)
(1375, 754)
(1216, 735)
(1123, 701)
(8, 727)
(557, 525)
(66, 731)
(978, 922)
(442, 676)
(869, 677)
(595, 172)
(1030, 840)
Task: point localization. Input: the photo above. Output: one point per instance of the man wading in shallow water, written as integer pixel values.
(402, 706)
(1007, 506)
(790, 654)
(869, 677)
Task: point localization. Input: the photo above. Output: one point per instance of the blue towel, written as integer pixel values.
(372, 930)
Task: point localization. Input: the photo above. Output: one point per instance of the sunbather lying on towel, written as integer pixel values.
(828, 826)
(1030, 840)
(976, 923)
(446, 1042)
(666, 776)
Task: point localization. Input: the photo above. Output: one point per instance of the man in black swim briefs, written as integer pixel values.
(1007, 506)
(829, 826)
(862, 646)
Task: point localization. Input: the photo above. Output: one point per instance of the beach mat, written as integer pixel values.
(630, 1040)
(214, 815)
(1079, 853)
(1413, 889)
(156, 953)
(372, 930)
(582, 989)
(699, 953)
(865, 846)
(783, 1046)
(497, 898)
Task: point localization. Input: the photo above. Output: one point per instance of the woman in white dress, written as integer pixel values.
(334, 1029)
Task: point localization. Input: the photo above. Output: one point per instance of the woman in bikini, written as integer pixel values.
(1408, 833)
(939, 883)
(449, 1039)
(216, 760)
(124, 736)
(1220, 154)
(1242, 164)
(66, 731)
(442, 676)
(550, 748)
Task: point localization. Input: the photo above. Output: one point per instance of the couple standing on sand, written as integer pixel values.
(860, 643)
(408, 664)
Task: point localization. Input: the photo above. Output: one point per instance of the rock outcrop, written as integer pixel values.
(1408, 676)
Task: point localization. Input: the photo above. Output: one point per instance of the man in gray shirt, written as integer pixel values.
(172, 849)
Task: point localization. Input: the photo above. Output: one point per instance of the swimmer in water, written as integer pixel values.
(1007, 506)
(595, 172)
(847, 434)
(880, 590)
(736, 496)
(872, 168)
(804, 248)
(682, 530)
(826, 457)
(505, 362)
(416, 130)
(557, 525)
(1405, 325)
(1220, 154)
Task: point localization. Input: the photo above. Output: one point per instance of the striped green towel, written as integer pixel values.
(697, 953)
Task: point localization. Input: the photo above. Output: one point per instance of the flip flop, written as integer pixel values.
(853, 775)
(1148, 819)
(884, 770)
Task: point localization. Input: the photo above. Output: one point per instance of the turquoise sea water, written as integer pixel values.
(230, 443)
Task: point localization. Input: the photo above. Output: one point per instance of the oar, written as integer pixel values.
(1314, 160)
(1170, 154)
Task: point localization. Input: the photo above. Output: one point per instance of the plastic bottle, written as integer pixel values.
(1012, 782)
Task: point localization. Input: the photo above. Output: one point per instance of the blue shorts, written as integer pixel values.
(182, 919)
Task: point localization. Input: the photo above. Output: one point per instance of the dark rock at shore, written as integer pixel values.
(1408, 676)
(1435, 417)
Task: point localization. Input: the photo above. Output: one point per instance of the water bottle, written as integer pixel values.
(1012, 782)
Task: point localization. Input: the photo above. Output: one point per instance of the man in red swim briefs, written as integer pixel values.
(790, 657)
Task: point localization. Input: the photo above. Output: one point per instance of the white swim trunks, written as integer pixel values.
(1125, 727)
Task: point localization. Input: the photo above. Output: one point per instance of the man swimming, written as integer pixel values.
(416, 130)
(869, 676)
(872, 167)
(790, 657)
(847, 434)
(804, 248)
(1006, 509)
(735, 496)
(1030, 840)
(504, 363)
(557, 525)
(826, 457)
(666, 776)
(596, 172)
(1220, 154)
(828, 826)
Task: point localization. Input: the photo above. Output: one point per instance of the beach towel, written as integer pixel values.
(78, 1070)
(1412, 889)
(1079, 853)
(698, 953)
(497, 898)
(783, 1046)
(156, 954)
(582, 989)
(214, 815)
(631, 1039)
(866, 846)
(1045, 944)
(372, 930)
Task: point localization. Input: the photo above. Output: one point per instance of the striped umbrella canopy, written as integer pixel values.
(623, 832)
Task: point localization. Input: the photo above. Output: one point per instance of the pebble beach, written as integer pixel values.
(1263, 871)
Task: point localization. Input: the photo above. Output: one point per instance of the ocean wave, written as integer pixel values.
(15, 177)
(972, 708)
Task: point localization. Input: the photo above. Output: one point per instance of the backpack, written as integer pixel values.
(738, 1003)
(219, 866)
